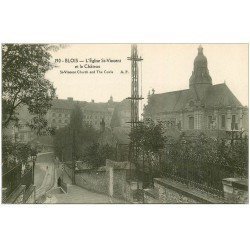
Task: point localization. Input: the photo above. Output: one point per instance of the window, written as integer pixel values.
(53, 120)
(53, 114)
(191, 122)
(66, 121)
(233, 119)
(223, 121)
(234, 125)
(210, 122)
(60, 121)
(60, 115)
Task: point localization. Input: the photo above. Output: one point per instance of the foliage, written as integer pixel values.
(149, 136)
(150, 139)
(24, 84)
(14, 153)
(95, 155)
(196, 159)
(62, 144)
(205, 160)
(70, 141)
(75, 131)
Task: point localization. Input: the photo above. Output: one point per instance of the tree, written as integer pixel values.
(62, 144)
(70, 141)
(24, 83)
(95, 155)
(76, 128)
(14, 153)
(149, 138)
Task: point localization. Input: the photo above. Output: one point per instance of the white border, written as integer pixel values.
(120, 226)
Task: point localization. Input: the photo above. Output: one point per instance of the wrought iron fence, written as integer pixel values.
(27, 178)
(14, 177)
(207, 180)
(11, 179)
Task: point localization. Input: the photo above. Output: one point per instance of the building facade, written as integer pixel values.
(203, 106)
(93, 113)
(122, 114)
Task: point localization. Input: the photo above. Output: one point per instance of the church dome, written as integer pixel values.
(200, 74)
(200, 60)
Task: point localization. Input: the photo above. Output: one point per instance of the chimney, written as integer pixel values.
(92, 100)
(70, 99)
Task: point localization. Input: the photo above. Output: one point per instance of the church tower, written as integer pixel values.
(200, 74)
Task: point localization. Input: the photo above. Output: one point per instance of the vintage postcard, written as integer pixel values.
(124, 123)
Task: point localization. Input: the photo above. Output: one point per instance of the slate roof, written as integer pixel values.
(220, 95)
(97, 107)
(65, 104)
(91, 106)
(215, 95)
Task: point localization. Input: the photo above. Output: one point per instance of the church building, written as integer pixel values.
(204, 106)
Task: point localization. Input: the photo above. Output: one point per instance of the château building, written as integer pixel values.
(204, 106)
(59, 116)
(93, 113)
(122, 114)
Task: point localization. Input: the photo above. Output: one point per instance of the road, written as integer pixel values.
(48, 193)
(44, 163)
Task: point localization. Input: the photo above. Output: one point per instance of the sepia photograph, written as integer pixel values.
(125, 123)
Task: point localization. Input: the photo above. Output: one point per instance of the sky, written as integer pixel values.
(165, 67)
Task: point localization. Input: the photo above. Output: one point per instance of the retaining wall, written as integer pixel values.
(170, 192)
(94, 180)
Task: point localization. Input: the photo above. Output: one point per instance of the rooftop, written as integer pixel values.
(215, 95)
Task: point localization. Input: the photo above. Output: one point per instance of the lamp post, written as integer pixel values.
(33, 157)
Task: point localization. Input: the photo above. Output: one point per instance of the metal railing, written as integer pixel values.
(13, 178)
(207, 180)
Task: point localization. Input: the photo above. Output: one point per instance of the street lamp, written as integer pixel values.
(33, 157)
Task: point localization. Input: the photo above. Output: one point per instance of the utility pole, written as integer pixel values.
(134, 100)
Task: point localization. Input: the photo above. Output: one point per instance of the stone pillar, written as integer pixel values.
(240, 114)
(201, 117)
(229, 118)
(183, 121)
(235, 190)
(111, 181)
(216, 117)
(161, 192)
(196, 119)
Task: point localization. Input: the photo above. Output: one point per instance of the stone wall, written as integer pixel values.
(120, 184)
(167, 191)
(109, 180)
(68, 171)
(236, 190)
(170, 194)
(94, 180)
